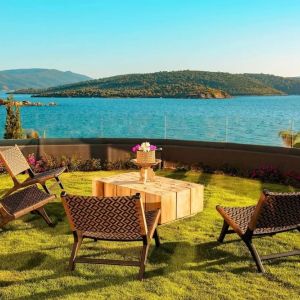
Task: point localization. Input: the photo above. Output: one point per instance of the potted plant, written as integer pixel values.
(145, 153)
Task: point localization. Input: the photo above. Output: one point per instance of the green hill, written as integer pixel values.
(290, 86)
(37, 78)
(178, 84)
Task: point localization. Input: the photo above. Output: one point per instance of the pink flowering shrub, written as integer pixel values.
(292, 178)
(267, 173)
(37, 165)
(74, 163)
(2, 167)
(272, 174)
(31, 159)
(48, 162)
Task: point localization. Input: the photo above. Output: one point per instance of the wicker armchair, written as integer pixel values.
(23, 202)
(274, 213)
(16, 163)
(112, 219)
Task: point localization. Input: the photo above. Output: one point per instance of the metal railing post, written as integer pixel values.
(292, 133)
(226, 130)
(165, 126)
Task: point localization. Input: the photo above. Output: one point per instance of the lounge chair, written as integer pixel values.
(274, 213)
(112, 219)
(23, 202)
(16, 163)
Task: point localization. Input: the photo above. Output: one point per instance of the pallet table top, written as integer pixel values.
(175, 198)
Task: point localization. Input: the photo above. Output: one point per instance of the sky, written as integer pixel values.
(101, 38)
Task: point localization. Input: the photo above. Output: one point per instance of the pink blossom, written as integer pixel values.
(135, 148)
(31, 159)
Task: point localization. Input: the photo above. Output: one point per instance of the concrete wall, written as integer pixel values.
(244, 157)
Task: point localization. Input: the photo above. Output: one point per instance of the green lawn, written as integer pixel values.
(190, 264)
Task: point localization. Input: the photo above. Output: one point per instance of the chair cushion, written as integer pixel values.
(25, 199)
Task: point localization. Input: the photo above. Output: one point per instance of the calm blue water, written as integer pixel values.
(250, 120)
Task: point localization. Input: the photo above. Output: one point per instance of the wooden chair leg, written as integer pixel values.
(76, 246)
(59, 182)
(143, 259)
(45, 188)
(156, 237)
(255, 256)
(223, 232)
(41, 211)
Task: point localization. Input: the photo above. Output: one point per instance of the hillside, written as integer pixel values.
(155, 90)
(290, 86)
(178, 84)
(37, 78)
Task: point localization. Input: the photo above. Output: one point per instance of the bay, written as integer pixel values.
(248, 120)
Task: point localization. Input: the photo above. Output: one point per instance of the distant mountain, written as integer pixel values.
(37, 78)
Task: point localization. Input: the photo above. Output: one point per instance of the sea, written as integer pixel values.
(247, 120)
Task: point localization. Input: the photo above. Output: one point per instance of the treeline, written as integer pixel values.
(290, 86)
(179, 84)
(184, 90)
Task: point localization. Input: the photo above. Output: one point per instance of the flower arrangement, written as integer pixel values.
(145, 147)
(145, 153)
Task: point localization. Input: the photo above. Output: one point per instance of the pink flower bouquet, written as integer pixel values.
(145, 147)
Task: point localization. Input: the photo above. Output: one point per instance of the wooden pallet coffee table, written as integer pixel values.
(176, 199)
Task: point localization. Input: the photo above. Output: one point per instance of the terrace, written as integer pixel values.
(190, 261)
(150, 149)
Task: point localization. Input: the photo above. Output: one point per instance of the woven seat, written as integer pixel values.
(16, 163)
(274, 213)
(22, 202)
(151, 217)
(50, 173)
(111, 218)
(242, 216)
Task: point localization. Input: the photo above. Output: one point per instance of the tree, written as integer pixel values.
(30, 134)
(13, 127)
(290, 138)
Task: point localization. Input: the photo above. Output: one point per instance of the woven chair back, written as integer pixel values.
(276, 210)
(14, 160)
(110, 215)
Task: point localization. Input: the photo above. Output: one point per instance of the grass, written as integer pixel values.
(190, 264)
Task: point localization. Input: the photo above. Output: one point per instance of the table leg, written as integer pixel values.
(151, 175)
(145, 175)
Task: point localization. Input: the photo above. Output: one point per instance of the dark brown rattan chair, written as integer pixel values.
(23, 202)
(16, 163)
(274, 213)
(112, 219)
